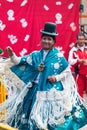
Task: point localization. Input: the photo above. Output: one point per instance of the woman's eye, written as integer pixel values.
(44, 38)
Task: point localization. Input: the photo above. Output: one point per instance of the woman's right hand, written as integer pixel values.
(9, 51)
(52, 79)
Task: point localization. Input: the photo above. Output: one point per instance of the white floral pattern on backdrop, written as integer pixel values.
(21, 21)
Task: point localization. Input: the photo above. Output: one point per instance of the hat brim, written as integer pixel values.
(47, 33)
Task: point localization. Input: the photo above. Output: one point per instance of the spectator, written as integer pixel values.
(78, 60)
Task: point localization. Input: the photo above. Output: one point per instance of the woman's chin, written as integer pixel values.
(46, 48)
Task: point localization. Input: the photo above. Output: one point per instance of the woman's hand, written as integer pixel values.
(9, 51)
(52, 79)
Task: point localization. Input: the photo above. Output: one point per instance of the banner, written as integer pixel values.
(22, 20)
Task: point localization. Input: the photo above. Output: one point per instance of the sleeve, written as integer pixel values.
(63, 74)
(71, 59)
(15, 59)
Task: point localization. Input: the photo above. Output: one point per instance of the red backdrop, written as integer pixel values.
(21, 21)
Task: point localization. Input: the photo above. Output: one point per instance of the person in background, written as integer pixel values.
(78, 60)
(48, 99)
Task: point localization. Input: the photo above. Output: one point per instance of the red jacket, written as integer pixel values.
(75, 54)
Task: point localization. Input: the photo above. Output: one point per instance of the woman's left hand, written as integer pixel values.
(52, 79)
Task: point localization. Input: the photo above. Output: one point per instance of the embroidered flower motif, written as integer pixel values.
(67, 113)
(22, 67)
(56, 65)
(29, 60)
(76, 114)
(60, 54)
(23, 59)
(29, 85)
(61, 120)
(23, 119)
(78, 107)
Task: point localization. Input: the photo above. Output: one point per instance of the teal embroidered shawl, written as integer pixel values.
(54, 64)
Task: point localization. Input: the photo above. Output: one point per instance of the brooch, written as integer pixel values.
(41, 67)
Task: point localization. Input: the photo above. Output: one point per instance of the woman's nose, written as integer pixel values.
(46, 40)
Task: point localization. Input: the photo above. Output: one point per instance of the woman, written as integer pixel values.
(48, 99)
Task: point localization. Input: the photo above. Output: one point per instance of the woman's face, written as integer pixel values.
(47, 42)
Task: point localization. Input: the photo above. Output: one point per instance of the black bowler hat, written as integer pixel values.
(49, 29)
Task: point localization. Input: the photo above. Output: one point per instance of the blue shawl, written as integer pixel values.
(54, 63)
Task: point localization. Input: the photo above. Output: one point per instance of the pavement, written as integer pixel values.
(85, 104)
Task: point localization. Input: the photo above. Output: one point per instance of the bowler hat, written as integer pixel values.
(49, 29)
